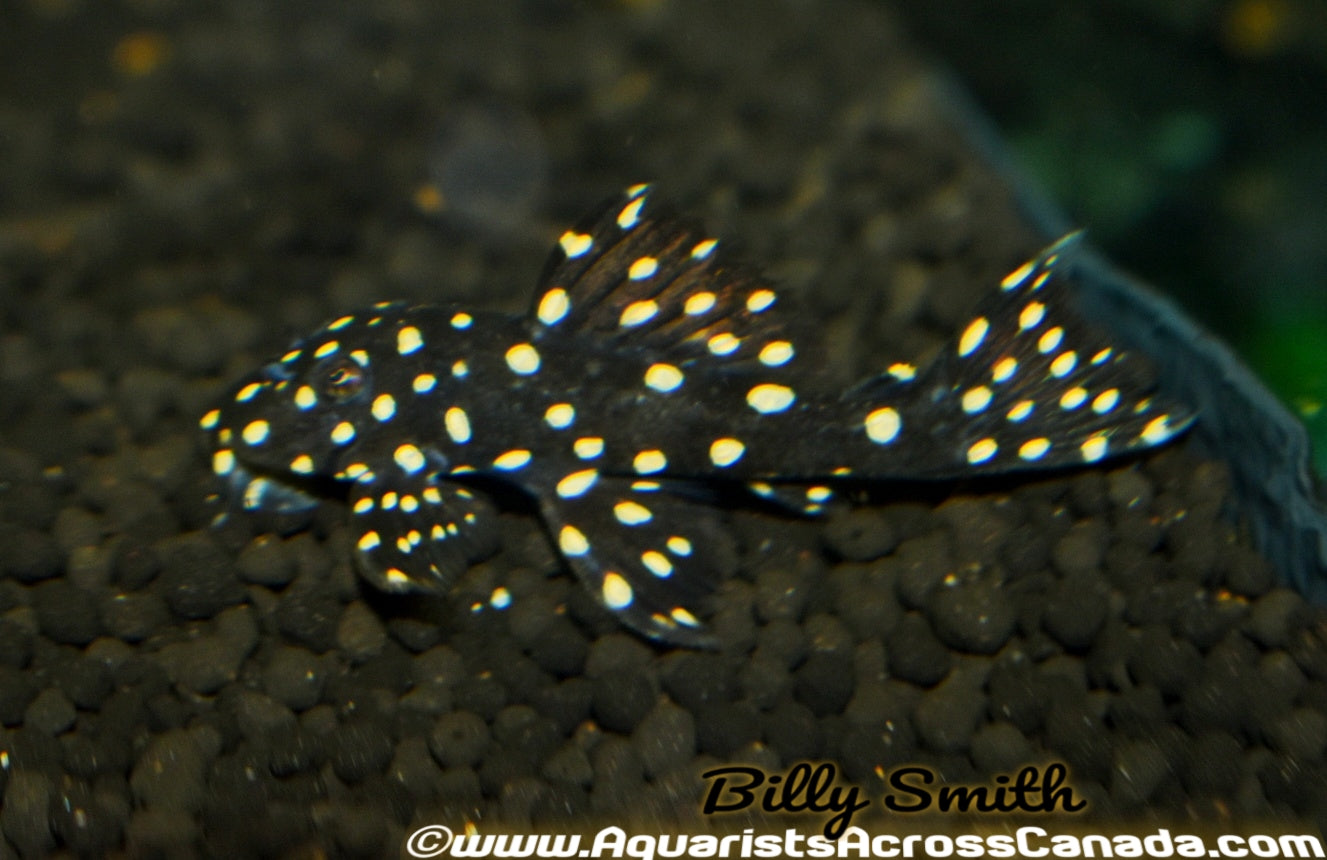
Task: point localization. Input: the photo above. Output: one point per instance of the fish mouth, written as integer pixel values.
(251, 489)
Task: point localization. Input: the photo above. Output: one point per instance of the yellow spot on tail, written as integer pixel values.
(1034, 449)
(256, 432)
(976, 399)
(245, 394)
(1018, 276)
(657, 563)
(725, 452)
(643, 268)
(973, 336)
(560, 416)
(512, 460)
(572, 542)
(982, 450)
(724, 343)
(681, 616)
(1094, 448)
(663, 377)
(577, 483)
(588, 447)
(1031, 316)
(1106, 401)
(883, 425)
(1157, 430)
(631, 513)
(554, 306)
(1064, 364)
(326, 349)
(630, 214)
(679, 545)
(768, 397)
(1073, 398)
(759, 300)
(575, 244)
(409, 340)
(1050, 341)
(457, 423)
(210, 420)
(384, 407)
(650, 461)
(1022, 409)
(903, 371)
(523, 359)
(616, 590)
(699, 303)
(638, 313)
(423, 383)
(1004, 369)
(776, 353)
(703, 249)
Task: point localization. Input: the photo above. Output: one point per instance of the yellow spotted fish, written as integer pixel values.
(646, 365)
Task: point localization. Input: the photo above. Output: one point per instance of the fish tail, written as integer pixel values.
(1027, 384)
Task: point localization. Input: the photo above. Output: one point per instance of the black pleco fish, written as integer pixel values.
(645, 364)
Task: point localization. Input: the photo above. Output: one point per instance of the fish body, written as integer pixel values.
(646, 365)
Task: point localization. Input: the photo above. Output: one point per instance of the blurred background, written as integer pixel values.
(1189, 138)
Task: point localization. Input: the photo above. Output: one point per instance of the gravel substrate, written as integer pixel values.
(184, 190)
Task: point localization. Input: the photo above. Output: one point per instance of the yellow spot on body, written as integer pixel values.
(976, 399)
(305, 398)
(432, 496)
(409, 340)
(643, 268)
(982, 450)
(1034, 449)
(616, 590)
(572, 542)
(1073, 398)
(512, 460)
(648, 462)
(1031, 316)
(1102, 356)
(1050, 341)
(1064, 364)
(577, 483)
(256, 432)
(902, 371)
(699, 303)
(223, 461)
(302, 465)
(424, 383)
(384, 407)
(457, 424)
(727, 451)
(663, 377)
(290, 356)
(554, 306)
(326, 349)
(679, 545)
(362, 505)
(638, 313)
(396, 577)
(575, 244)
(438, 532)
(1157, 430)
(819, 494)
(361, 357)
(630, 214)
(1022, 409)
(776, 353)
(245, 394)
(1044, 276)
(883, 425)
(768, 397)
(356, 470)
(631, 513)
(645, 486)
(1094, 448)
(588, 448)
(681, 616)
(703, 249)
(1017, 276)
(759, 300)
(657, 562)
(210, 420)
(523, 359)
(368, 541)
(1106, 401)
(460, 369)
(389, 501)
(560, 415)
(972, 336)
(409, 458)
(462, 320)
(403, 544)
(724, 343)
(343, 433)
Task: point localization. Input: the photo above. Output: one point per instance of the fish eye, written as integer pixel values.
(341, 380)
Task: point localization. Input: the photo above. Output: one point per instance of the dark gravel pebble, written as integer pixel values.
(197, 578)
(915, 654)
(67, 614)
(459, 739)
(972, 614)
(622, 698)
(860, 534)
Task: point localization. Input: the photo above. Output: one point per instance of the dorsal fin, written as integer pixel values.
(634, 275)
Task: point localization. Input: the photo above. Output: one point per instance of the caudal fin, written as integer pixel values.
(1030, 384)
